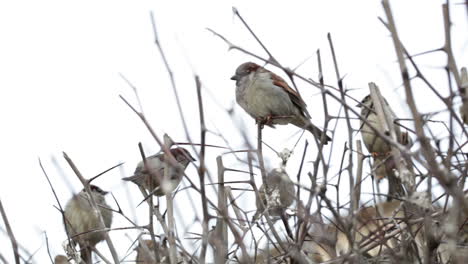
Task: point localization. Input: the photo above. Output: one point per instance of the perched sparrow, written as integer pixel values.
(280, 194)
(321, 239)
(155, 176)
(268, 98)
(145, 252)
(81, 218)
(380, 150)
(375, 224)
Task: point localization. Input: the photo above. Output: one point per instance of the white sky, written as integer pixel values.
(59, 85)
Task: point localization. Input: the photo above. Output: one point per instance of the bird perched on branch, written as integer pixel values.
(268, 99)
(376, 145)
(372, 226)
(82, 222)
(145, 252)
(152, 177)
(279, 196)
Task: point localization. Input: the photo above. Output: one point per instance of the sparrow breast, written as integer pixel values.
(259, 97)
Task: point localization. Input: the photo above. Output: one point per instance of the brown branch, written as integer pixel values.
(201, 171)
(221, 245)
(271, 58)
(357, 187)
(56, 199)
(171, 76)
(170, 208)
(14, 244)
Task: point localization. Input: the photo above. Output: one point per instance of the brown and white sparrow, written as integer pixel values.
(378, 230)
(81, 221)
(268, 98)
(378, 147)
(280, 194)
(152, 178)
(145, 252)
(375, 224)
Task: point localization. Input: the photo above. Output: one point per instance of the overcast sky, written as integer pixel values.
(59, 87)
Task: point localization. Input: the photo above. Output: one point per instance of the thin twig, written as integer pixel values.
(201, 171)
(221, 242)
(14, 244)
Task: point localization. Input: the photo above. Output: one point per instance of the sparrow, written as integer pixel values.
(268, 99)
(278, 198)
(379, 149)
(375, 223)
(81, 220)
(152, 178)
(145, 252)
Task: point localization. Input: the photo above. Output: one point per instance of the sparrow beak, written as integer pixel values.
(104, 192)
(359, 105)
(234, 78)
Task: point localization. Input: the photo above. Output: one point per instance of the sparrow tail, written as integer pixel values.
(317, 132)
(85, 254)
(137, 179)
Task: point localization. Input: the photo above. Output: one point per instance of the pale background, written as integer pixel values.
(59, 85)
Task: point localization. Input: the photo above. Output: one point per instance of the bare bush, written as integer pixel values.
(304, 222)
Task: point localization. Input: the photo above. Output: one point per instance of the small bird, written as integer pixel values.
(280, 194)
(371, 224)
(378, 147)
(145, 252)
(81, 218)
(151, 180)
(268, 99)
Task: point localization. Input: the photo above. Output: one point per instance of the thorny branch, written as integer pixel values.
(359, 233)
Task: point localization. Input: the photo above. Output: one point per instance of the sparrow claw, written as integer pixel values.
(268, 120)
(260, 120)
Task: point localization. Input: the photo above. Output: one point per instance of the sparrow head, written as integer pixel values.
(366, 101)
(97, 193)
(96, 190)
(182, 155)
(245, 69)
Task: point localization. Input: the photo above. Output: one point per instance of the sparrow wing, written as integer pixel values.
(141, 175)
(293, 95)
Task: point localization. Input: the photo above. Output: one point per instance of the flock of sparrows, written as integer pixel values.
(269, 100)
